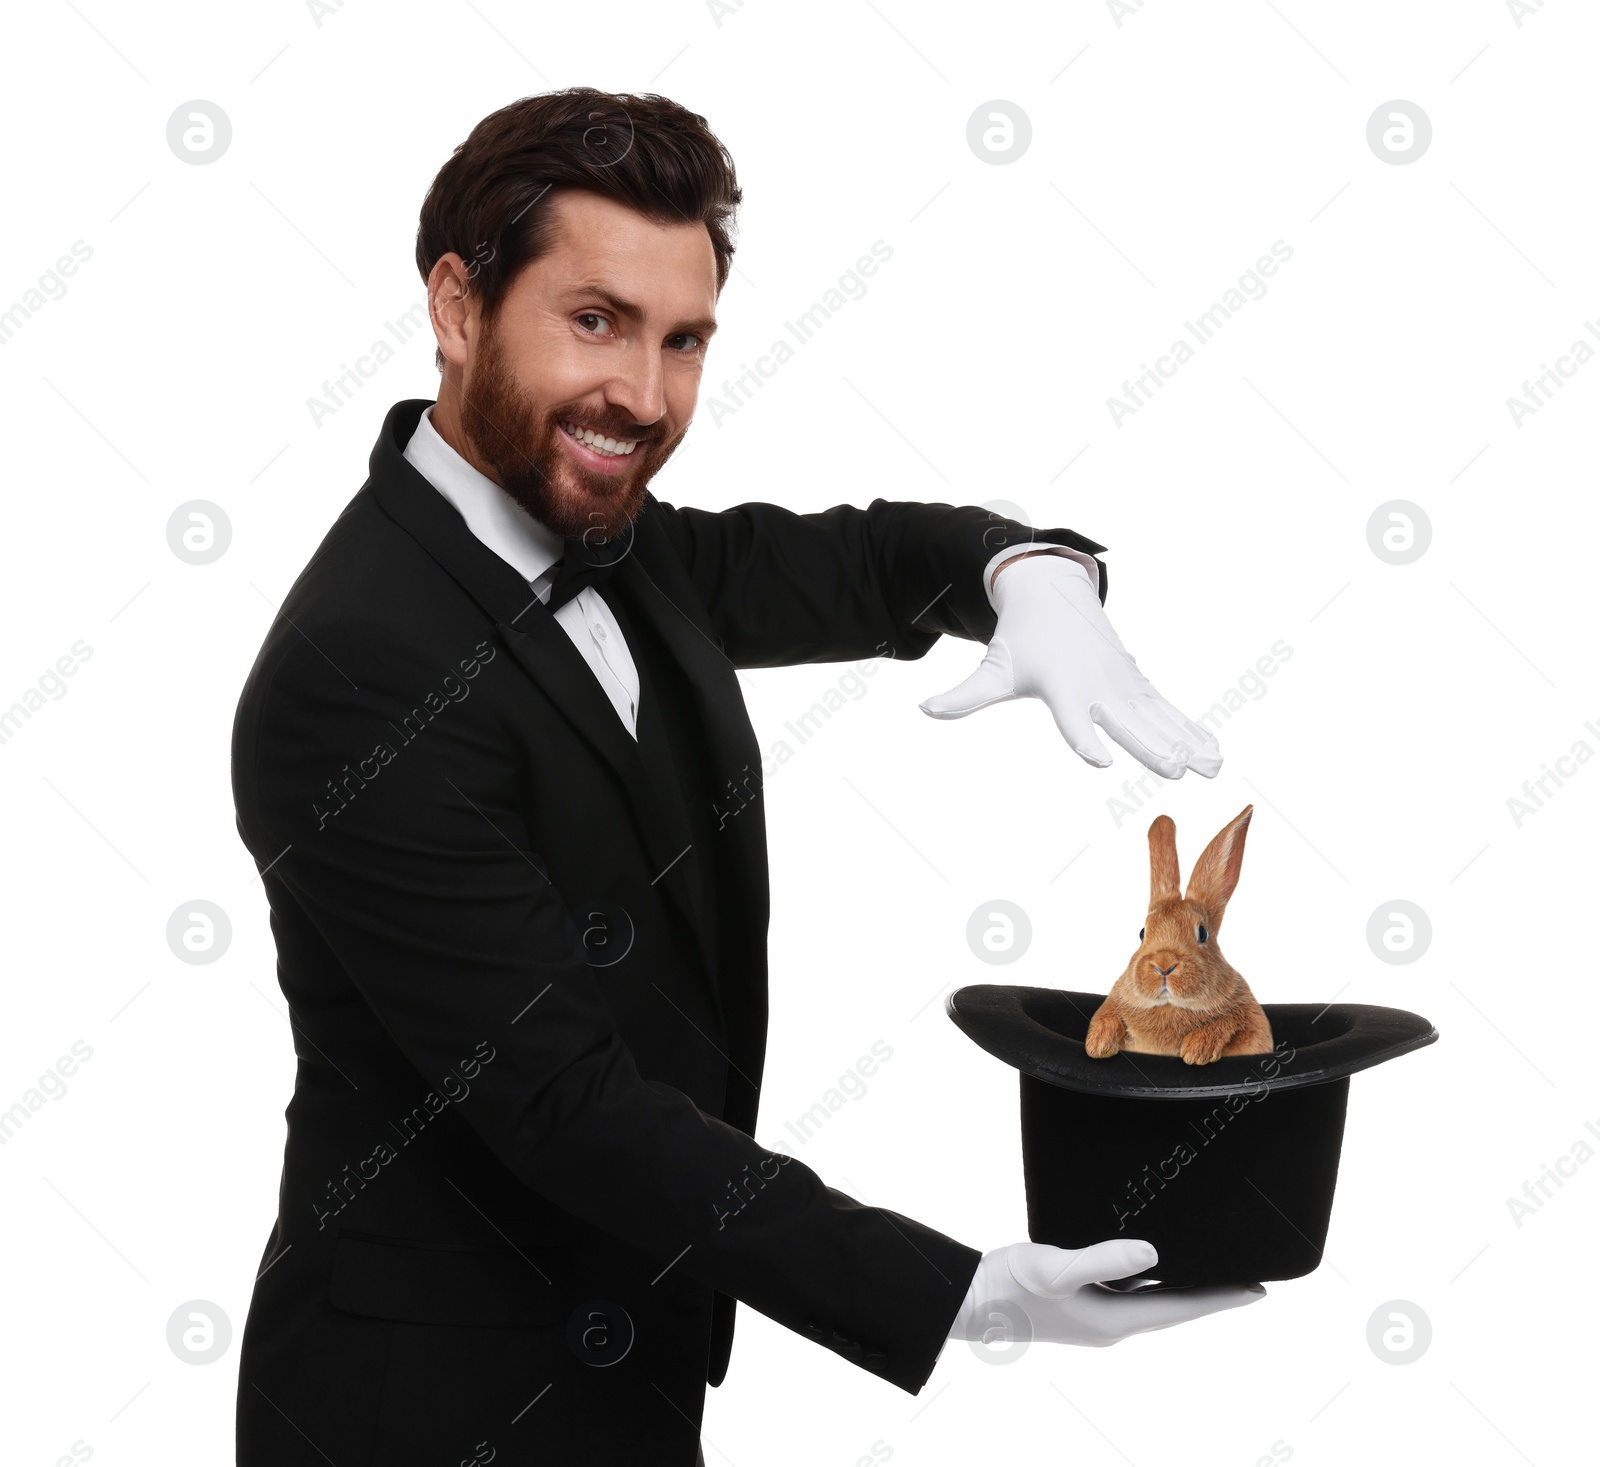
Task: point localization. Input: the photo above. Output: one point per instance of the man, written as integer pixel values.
(496, 771)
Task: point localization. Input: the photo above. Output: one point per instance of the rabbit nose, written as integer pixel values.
(1166, 972)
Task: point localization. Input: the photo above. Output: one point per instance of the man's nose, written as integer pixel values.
(640, 390)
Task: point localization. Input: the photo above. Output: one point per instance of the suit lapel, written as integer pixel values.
(719, 703)
(544, 651)
(662, 591)
(546, 654)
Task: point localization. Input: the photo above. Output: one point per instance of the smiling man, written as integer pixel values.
(574, 415)
(484, 762)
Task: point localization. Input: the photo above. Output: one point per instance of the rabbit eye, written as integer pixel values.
(1201, 932)
(1141, 934)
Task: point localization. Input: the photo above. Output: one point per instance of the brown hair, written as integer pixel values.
(490, 203)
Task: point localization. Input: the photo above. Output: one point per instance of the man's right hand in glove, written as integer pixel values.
(1036, 1291)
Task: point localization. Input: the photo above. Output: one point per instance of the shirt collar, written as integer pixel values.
(492, 515)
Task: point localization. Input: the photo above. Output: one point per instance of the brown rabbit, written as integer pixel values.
(1179, 995)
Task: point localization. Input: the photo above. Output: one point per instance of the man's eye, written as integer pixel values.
(585, 317)
(684, 341)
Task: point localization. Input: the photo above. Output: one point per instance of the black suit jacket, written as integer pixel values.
(520, 1193)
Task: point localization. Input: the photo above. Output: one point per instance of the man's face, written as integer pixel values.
(601, 338)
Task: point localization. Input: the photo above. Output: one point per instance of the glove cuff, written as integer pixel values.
(1061, 552)
(991, 1274)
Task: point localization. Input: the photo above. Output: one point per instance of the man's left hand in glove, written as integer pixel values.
(1052, 641)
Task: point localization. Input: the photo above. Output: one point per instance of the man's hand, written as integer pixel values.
(1052, 641)
(1032, 1291)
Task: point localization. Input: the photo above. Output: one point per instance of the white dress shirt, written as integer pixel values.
(532, 549)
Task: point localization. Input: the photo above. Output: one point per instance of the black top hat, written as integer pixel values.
(1228, 1169)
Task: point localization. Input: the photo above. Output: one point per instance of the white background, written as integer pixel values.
(1168, 153)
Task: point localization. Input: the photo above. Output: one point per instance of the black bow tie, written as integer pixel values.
(586, 563)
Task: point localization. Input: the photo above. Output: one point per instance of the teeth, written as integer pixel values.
(606, 447)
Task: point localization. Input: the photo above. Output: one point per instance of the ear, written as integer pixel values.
(455, 310)
(1163, 860)
(1216, 873)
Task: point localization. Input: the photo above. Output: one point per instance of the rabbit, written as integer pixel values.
(1179, 995)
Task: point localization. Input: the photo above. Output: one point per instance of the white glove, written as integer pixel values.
(1033, 1291)
(1052, 641)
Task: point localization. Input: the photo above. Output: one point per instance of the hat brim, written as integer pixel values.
(1040, 1031)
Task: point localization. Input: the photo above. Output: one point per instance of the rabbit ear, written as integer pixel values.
(1163, 860)
(1216, 873)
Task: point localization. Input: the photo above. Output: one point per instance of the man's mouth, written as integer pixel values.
(599, 442)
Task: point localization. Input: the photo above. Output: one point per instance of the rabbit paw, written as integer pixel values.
(1104, 1038)
(1203, 1045)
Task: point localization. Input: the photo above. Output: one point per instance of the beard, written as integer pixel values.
(516, 438)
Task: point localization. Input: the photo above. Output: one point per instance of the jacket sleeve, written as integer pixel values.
(424, 882)
(844, 583)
